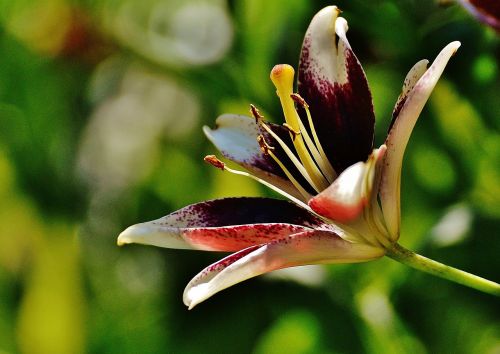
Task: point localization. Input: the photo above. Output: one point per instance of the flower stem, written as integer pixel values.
(411, 259)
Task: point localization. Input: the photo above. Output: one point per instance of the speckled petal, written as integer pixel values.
(229, 224)
(309, 247)
(235, 136)
(399, 135)
(333, 83)
(411, 79)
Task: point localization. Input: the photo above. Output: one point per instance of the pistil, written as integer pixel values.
(282, 77)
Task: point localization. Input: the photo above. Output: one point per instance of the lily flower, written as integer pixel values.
(344, 195)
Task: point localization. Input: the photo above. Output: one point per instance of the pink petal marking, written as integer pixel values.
(235, 238)
(344, 199)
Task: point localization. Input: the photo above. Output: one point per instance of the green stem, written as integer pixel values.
(411, 259)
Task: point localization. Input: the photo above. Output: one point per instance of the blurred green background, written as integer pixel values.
(101, 108)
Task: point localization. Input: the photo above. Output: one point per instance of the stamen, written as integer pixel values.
(327, 167)
(264, 146)
(299, 100)
(214, 161)
(293, 158)
(256, 113)
(320, 161)
(292, 132)
(282, 77)
(290, 177)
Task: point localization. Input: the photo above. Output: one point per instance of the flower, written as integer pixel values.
(344, 194)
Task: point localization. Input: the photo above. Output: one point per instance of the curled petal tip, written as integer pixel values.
(129, 234)
(341, 28)
(195, 295)
(329, 10)
(150, 233)
(455, 45)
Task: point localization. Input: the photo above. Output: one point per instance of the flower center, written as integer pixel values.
(310, 158)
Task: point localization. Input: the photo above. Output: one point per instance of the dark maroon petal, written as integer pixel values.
(333, 83)
(242, 211)
(487, 11)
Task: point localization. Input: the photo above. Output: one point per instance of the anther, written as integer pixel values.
(264, 146)
(256, 114)
(214, 161)
(294, 133)
(299, 100)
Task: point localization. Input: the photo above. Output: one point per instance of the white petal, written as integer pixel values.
(400, 133)
(411, 79)
(320, 43)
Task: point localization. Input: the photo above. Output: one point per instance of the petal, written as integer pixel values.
(229, 224)
(333, 83)
(310, 247)
(344, 200)
(411, 79)
(399, 135)
(236, 138)
(486, 11)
